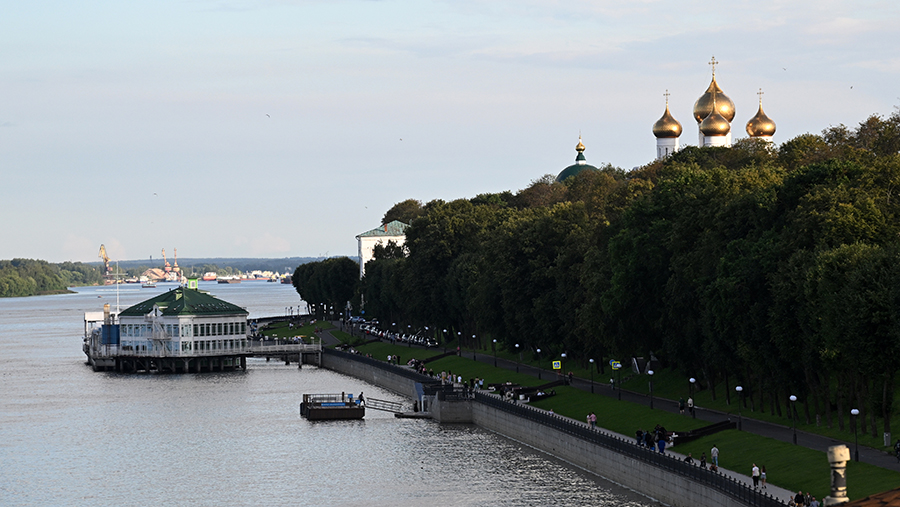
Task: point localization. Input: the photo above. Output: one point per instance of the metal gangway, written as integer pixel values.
(387, 406)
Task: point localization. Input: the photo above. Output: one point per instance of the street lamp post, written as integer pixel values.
(517, 355)
(793, 419)
(693, 403)
(855, 413)
(562, 365)
(650, 372)
(740, 391)
(592, 375)
(473, 347)
(539, 363)
(495, 352)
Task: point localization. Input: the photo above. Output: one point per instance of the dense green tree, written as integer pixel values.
(404, 211)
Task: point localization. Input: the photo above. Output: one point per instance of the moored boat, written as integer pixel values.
(318, 407)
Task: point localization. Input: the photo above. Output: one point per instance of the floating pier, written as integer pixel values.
(318, 407)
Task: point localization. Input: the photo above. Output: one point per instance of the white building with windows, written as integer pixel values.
(183, 329)
(393, 231)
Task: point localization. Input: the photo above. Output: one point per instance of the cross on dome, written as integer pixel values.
(666, 95)
(760, 93)
(713, 63)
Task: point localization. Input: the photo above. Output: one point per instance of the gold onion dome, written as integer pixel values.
(579, 147)
(760, 125)
(713, 97)
(715, 125)
(667, 126)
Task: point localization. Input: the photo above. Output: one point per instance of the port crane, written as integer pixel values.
(105, 258)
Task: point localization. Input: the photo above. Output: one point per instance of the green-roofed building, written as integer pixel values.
(182, 330)
(392, 231)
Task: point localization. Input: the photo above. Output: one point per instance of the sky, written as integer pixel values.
(267, 128)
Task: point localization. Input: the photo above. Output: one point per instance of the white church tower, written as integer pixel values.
(667, 130)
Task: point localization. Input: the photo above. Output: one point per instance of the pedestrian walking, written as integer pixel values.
(754, 473)
(714, 454)
(681, 406)
(690, 405)
(762, 477)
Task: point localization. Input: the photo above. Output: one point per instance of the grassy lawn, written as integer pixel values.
(283, 330)
(671, 385)
(788, 466)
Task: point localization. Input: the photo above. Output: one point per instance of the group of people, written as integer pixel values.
(653, 440)
(803, 500)
(689, 404)
(759, 476)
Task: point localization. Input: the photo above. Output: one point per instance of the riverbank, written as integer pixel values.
(792, 467)
(665, 477)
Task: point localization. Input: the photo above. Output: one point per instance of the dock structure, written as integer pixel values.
(182, 331)
(344, 406)
(319, 407)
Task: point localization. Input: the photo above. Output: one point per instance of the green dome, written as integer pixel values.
(579, 165)
(574, 169)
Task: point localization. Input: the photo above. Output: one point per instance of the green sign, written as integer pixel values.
(557, 365)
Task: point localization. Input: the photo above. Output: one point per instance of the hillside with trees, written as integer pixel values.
(775, 268)
(27, 277)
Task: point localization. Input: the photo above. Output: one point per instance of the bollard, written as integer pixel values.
(838, 456)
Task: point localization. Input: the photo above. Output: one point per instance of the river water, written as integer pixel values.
(71, 436)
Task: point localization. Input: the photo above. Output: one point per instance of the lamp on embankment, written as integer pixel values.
(539, 363)
(517, 360)
(855, 413)
(592, 375)
(740, 391)
(692, 380)
(650, 372)
(793, 418)
(494, 346)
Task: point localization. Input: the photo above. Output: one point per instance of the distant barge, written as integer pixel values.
(318, 407)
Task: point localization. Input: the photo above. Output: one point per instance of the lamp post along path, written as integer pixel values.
(592, 375)
(793, 418)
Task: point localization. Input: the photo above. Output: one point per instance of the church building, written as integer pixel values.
(714, 112)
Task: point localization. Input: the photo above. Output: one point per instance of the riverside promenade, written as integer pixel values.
(753, 426)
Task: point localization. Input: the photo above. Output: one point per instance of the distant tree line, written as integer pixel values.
(27, 277)
(774, 268)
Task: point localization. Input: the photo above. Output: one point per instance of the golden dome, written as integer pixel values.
(760, 125)
(579, 147)
(715, 125)
(667, 126)
(704, 105)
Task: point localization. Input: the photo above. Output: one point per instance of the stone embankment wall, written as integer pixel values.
(377, 374)
(659, 482)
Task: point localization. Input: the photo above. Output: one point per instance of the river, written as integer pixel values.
(71, 436)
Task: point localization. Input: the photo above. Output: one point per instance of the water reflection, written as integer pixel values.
(71, 436)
